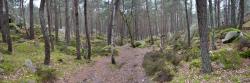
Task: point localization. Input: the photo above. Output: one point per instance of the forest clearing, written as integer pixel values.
(124, 41)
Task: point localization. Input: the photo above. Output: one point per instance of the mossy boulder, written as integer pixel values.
(231, 36)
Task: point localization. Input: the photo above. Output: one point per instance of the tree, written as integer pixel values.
(212, 24)
(149, 23)
(32, 34)
(48, 6)
(77, 30)
(241, 13)
(233, 13)
(87, 30)
(4, 23)
(188, 25)
(67, 28)
(203, 32)
(44, 31)
(56, 10)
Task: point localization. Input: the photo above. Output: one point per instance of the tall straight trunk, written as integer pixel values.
(2, 28)
(149, 22)
(44, 30)
(87, 30)
(218, 13)
(48, 5)
(212, 24)
(22, 14)
(226, 12)
(56, 10)
(188, 25)
(233, 13)
(136, 17)
(77, 30)
(203, 32)
(4, 14)
(241, 13)
(67, 28)
(32, 33)
(109, 34)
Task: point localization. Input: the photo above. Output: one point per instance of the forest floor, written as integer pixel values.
(127, 70)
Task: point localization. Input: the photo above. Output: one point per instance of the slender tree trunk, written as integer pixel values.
(56, 10)
(77, 30)
(48, 5)
(149, 22)
(218, 13)
(188, 25)
(2, 28)
(87, 30)
(4, 22)
(32, 33)
(241, 13)
(203, 31)
(212, 24)
(233, 13)
(45, 33)
(67, 28)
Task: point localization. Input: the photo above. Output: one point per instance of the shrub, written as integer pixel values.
(156, 65)
(195, 63)
(7, 66)
(245, 54)
(230, 59)
(46, 74)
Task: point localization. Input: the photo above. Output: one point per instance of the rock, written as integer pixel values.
(29, 65)
(1, 71)
(230, 36)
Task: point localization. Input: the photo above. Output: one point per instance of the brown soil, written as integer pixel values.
(128, 69)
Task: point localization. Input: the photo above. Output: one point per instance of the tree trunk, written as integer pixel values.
(212, 24)
(188, 25)
(77, 30)
(233, 13)
(48, 5)
(4, 13)
(241, 13)
(87, 30)
(56, 10)
(32, 33)
(149, 22)
(67, 28)
(203, 31)
(2, 28)
(44, 30)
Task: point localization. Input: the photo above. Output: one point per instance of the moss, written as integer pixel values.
(140, 44)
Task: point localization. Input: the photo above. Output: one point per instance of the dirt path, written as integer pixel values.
(128, 69)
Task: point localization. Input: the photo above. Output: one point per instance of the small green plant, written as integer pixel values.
(245, 54)
(230, 59)
(196, 63)
(46, 74)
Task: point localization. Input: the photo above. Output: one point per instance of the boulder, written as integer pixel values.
(28, 63)
(230, 36)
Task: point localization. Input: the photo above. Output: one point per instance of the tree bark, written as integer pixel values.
(188, 25)
(241, 14)
(32, 33)
(212, 24)
(87, 30)
(77, 30)
(67, 28)
(149, 22)
(233, 13)
(56, 10)
(48, 5)
(4, 13)
(203, 32)
(44, 30)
